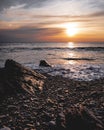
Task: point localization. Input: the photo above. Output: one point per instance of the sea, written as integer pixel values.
(79, 61)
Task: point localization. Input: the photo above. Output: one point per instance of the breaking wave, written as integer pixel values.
(15, 49)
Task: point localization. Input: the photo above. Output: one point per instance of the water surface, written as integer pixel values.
(81, 61)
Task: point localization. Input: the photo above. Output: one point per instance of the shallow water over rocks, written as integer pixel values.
(84, 72)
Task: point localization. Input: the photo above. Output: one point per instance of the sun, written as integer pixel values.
(71, 29)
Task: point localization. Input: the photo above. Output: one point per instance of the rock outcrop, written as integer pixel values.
(15, 77)
(44, 63)
(78, 118)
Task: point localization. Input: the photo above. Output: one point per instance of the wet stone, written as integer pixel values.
(95, 94)
(44, 63)
(52, 125)
(5, 128)
(50, 101)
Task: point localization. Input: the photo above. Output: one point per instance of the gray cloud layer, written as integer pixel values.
(38, 3)
(29, 3)
(26, 34)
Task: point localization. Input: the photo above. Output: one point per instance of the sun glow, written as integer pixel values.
(71, 29)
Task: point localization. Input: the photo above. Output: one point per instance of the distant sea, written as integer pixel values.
(79, 61)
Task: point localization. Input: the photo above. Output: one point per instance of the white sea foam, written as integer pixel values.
(84, 72)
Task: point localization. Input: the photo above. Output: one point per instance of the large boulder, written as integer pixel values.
(81, 118)
(15, 77)
(77, 118)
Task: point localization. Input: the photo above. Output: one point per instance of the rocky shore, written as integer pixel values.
(32, 101)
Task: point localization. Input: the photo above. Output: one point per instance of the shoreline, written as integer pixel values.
(22, 111)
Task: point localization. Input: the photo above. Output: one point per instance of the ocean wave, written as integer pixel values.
(16, 49)
(73, 49)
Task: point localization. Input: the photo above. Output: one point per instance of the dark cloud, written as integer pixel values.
(26, 34)
(38, 3)
(29, 3)
(96, 3)
(97, 14)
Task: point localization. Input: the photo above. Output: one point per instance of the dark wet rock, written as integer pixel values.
(76, 118)
(95, 94)
(60, 121)
(81, 88)
(46, 117)
(16, 78)
(82, 119)
(12, 108)
(44, 63)
(52, 125)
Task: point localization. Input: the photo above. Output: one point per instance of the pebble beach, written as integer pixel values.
(38, 112)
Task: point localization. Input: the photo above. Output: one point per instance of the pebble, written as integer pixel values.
(52, 123)
(30, 125)
(50, 101)
(2, 116)
(5, 128)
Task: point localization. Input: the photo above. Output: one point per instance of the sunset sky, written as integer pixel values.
(51, 20)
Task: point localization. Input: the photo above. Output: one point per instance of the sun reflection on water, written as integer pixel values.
(71, 54)
(71, 44)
